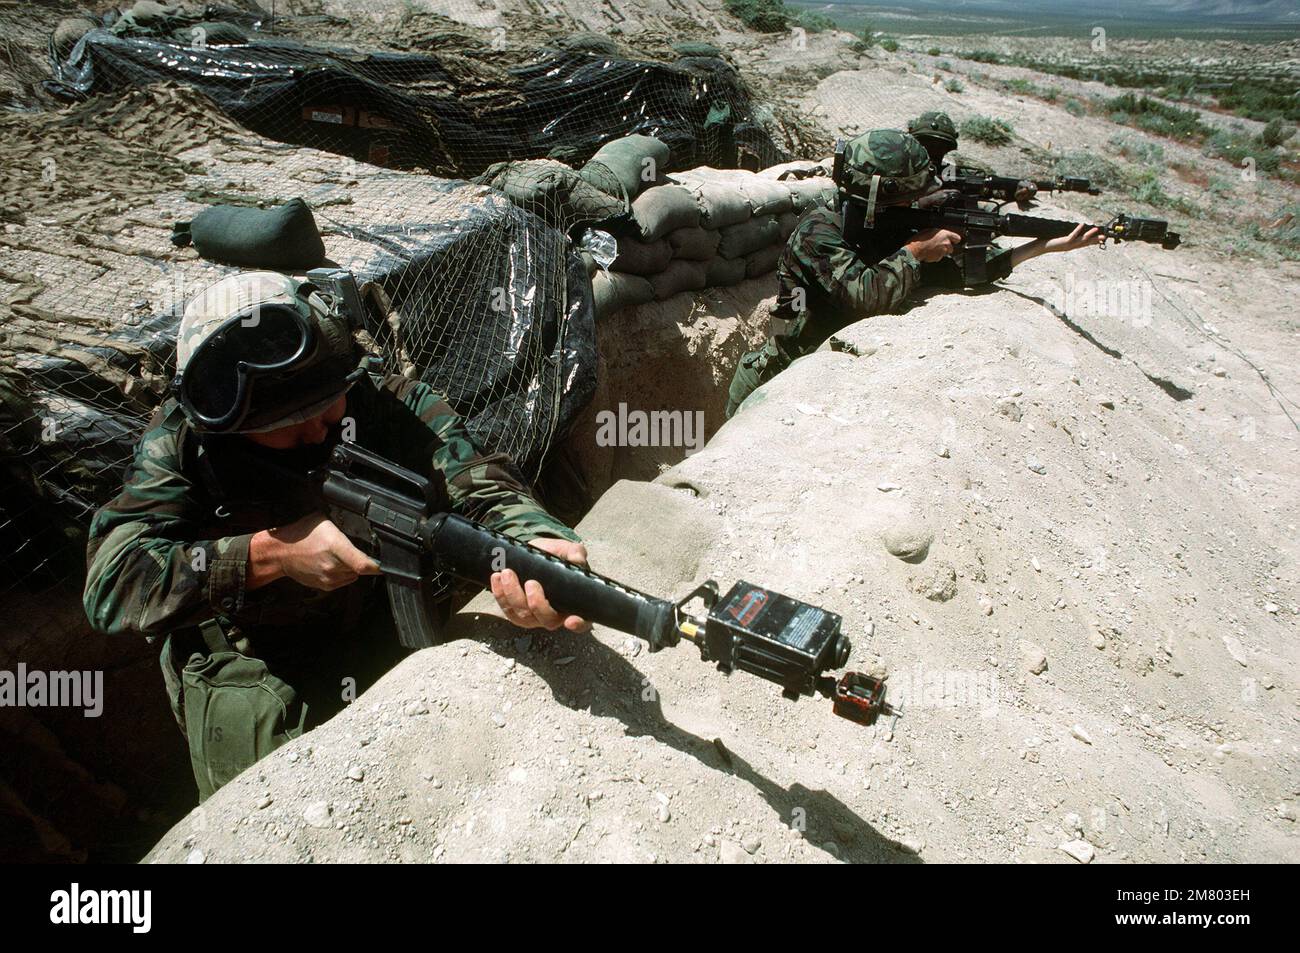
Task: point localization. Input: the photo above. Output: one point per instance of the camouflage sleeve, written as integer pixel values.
(851, 281)
(482, 486)
(146, 572)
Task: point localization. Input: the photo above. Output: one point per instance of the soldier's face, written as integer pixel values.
(309, 432)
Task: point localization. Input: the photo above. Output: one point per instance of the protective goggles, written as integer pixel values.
(257, 368)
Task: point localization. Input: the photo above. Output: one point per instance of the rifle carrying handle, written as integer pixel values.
(473, 552)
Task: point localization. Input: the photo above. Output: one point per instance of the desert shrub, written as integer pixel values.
(889, 44)
(1074, 107)
(1276, 133)
(1234, 147)
(933, 51)
(1155, 116)
(1139, 150)
(815, 22)
(983, 56)
(954, 85)
(765, 16)
(994, 132)
(1087, 165)
(944, 64)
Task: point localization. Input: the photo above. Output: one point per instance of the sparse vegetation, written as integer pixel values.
(889, 44)
(1276, 133)
(954, 85)
(993, 132)
(933, 51)
(765, 16)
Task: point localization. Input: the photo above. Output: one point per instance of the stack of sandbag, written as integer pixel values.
(706, 228)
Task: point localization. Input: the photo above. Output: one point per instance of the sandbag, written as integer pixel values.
(763, 261)
(642, 258)
(612, 292)
(810, 193)
(788, 222)
(621, 167)
(284, 238)
(721, 205)
(551, 190)
(679, 276)
(748, 237)
(767, 197)
(724, 272)
(694, 244)
(589, 43)
(663, 209)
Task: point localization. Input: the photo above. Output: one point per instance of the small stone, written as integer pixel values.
(1220, 372)
(938, 584)
(498, 719)
(317, 814)
(1235, 650)
(1270, 607)
(1080, 850)
(986, 605)
(356, 773)
(1073, 824)
(264, 802)
(1098, 640)
(751, 844)
(942, 451)
(1033, 463)
(1286, 812)
(1034, 657)
(1034, 562)
(523, 642)
(664, 814)
(1079, 732)
(909, 541)
(196, 856)
(1010, 409)
(518, 775)
(732, 853)
(1106, 402)
(887, 487)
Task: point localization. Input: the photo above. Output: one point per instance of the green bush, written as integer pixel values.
(994, 132)
(954, 85)
(1151, 153)
(765, 16)
(983, 56)
(889, 45)
(933, 51)
(1155, 116)
(1074, 107)
(1234, 147)
(1087, 165)
(1276, 133)
(944, 64)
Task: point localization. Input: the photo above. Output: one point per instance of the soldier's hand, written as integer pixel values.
(1082, 237)
(314, 552)
(933, 244)
(526, 605)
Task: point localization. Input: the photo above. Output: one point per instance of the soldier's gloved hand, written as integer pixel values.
(933, 244)
(311, 551)
(526, 605)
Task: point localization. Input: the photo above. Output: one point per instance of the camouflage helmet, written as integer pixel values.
(934, 125)
(320, 371)
(900, 162)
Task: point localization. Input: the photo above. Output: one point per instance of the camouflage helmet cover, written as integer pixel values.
(934, 125)
(241, 294)
(901, 162)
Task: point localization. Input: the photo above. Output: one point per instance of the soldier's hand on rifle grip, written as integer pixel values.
(933, 244)
(525, 605)
(311, 551)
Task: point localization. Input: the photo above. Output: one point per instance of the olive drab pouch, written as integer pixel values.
(235, 711)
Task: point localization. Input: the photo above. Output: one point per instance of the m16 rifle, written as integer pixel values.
(978, 228)
(1001, 188)
(403, 519)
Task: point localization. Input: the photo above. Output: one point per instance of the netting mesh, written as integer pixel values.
(487, 299)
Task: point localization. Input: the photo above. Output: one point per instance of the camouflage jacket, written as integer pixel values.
(840, 283)
(171, 551)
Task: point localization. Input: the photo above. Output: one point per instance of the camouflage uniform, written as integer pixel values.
(169, 556)
(840, 282)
